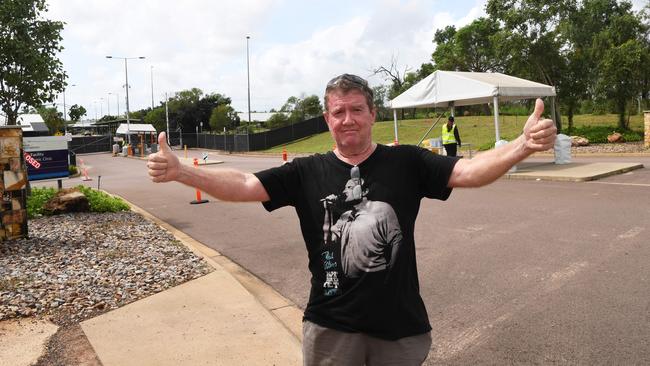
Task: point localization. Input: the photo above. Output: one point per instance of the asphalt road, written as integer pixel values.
(518, 272)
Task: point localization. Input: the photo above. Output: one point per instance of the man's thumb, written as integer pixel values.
(162, 142)
(539, 109)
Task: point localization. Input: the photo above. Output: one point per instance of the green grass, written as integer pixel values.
(99, 201)
(475, 130)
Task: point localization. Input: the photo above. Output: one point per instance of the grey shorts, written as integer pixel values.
(323, 346)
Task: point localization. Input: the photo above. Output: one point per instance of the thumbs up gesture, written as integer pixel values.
(163, 165)
(539, 133)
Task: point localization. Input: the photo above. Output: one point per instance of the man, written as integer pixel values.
(450, 137)
(367, 232)
(364, 307)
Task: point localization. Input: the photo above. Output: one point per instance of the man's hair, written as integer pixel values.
(347, 82)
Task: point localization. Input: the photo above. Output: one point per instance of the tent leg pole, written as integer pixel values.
(429, 130)
(396, 142)
(496, 118)
(553, 117)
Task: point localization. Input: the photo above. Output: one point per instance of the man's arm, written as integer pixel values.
(539, 135)
(223, 184)
(457, 135)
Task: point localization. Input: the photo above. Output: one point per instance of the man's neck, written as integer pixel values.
(355, 157)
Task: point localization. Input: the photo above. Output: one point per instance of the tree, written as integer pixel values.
(187, 110)
(393, 74)
(474, 47)
(621, 50)
(52, 118)
(380, 94)
(157, 118)
(223, 116)
(303, 108)
(30, 72)
(532, 40)
(76, 112)
(310, 107)
(278, 120)
(619, 73)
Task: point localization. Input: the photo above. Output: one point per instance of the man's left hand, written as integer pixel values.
(539, 133)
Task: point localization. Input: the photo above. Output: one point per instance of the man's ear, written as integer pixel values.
(326, 115)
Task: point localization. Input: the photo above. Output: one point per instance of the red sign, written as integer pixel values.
(32, 161)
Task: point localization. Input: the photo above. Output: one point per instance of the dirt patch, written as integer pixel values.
(69, 346)
(22, 340)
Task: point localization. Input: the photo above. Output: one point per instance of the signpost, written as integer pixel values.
(46, 157)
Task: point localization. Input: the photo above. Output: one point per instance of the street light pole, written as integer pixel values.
(152, 87)
(248, 73)
(65, 119)
(248, 76)
(126, 73)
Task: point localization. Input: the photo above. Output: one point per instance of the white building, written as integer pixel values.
(32, 124)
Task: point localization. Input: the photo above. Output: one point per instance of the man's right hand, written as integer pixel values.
(163, 166)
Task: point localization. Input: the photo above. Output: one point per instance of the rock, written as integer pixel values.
(579, 141)
(67, 200)
(615, 137)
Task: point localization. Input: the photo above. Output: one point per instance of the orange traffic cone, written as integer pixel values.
(84, 171)
(284, 155)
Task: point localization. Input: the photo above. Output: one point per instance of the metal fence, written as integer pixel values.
(252, 142)
(257, 141)
(90, 144)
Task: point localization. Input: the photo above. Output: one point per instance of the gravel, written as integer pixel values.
(628, 147)
(76, 266)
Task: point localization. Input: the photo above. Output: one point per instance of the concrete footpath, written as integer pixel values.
(227, 317)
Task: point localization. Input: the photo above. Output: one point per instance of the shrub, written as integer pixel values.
(98, 201)
(72, 169)
(102, 202)
(598, 134)
(37, 199)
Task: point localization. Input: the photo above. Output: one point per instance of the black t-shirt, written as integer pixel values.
(358, 225)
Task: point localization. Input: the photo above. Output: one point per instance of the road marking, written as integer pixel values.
(622, 184)
(631, 233)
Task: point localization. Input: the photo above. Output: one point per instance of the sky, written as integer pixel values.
(295, 46)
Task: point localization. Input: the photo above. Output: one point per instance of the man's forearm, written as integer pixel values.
(488, 166)
(224, 184)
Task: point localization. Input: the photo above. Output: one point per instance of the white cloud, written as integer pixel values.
(201, 43)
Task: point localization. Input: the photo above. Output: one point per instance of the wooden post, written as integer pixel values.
(646, 119)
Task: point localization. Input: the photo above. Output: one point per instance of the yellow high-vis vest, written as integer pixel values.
(448, 137)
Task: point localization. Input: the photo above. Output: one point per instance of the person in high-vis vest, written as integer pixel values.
(450, 137)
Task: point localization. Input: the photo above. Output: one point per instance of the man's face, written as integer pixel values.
(347, 191)
(349, 119)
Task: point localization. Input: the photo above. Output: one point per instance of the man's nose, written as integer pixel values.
(347, 118)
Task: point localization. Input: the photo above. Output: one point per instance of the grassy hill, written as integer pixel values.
(475, 130)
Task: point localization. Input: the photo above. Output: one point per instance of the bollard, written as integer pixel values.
(198, 199)
(185, 151)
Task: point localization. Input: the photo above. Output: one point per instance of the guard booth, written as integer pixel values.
(143, 137)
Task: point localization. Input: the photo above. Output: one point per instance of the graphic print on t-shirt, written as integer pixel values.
(366, 233)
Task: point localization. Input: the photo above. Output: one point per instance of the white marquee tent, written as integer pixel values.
(454, 88)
